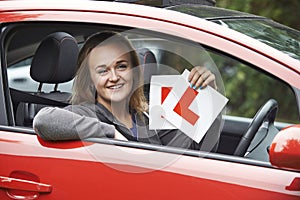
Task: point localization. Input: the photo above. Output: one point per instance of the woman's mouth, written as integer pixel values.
(117, 86)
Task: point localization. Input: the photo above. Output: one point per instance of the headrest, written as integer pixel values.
(148, 62)
(55, 59)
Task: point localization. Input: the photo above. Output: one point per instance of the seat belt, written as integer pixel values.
(21, 96)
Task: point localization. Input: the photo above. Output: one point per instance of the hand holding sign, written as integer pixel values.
(192, 111)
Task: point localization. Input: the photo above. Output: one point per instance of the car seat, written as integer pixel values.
(54, 62)
(149, 67)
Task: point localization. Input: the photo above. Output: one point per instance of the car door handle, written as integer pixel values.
(20, 184)
(295, 185)
(19, 80)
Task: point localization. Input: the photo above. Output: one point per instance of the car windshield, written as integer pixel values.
(276, 35)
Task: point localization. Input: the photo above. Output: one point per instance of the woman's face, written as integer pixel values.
(110, 70)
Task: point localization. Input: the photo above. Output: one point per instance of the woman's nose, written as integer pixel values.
(114, 76)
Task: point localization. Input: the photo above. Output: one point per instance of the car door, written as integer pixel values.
(101, 168)
(74, 170)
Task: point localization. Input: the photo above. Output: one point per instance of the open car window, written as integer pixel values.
(246, 87)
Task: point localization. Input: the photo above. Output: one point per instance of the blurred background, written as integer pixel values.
(286, 12)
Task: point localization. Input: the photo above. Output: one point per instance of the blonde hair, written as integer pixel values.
(83, 88)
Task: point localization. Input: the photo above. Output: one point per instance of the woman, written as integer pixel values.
(108, 98)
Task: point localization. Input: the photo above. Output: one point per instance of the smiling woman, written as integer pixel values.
(108, 98)
(107, 65)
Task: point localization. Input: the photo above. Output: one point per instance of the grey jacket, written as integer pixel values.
(76, 122)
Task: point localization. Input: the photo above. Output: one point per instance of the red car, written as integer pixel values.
(255, 60)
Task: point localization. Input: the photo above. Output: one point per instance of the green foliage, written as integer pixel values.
(249, 88)
(283, 11)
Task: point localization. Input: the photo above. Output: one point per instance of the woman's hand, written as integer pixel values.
(200, 77)
(119, 136)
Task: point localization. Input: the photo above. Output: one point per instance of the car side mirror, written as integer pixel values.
(285, 149)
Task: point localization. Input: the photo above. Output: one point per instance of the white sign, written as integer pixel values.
(160, 87)
(191, 111)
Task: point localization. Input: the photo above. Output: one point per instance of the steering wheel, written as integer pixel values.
(266, 113)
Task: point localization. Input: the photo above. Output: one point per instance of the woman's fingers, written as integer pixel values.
(195, 75)
(208, 78)
(200, 77)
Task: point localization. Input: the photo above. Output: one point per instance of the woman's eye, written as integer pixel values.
(122, 67)
(102, 72)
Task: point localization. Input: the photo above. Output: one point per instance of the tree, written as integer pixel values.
(283, 11)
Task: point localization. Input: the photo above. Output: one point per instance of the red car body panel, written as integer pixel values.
(115, 175)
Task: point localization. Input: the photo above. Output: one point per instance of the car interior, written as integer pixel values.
(54, 48)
